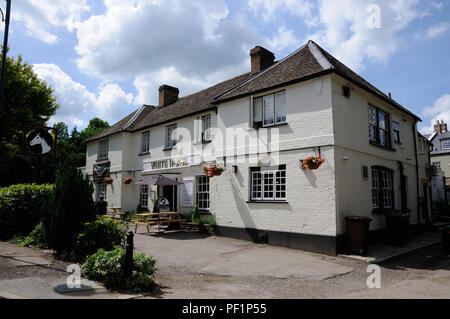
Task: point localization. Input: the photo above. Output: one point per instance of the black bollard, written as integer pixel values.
(128, 266)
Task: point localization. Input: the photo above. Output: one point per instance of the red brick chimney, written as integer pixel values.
(167, 95)
(440, 127)
(261, 59)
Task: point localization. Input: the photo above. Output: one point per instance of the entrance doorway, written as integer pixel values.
(170, 192)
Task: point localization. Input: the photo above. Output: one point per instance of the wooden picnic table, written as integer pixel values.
(116, 212)
(162, 218)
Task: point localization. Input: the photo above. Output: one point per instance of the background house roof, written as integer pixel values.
(437, 145)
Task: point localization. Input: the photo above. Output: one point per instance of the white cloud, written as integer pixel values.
(283, 39)
(112, 101)
(269, 9)
(434, 31)
(77, 102)
(41, 16)
(346, 27)
(137, 38)
(354, 35)
(440, 110)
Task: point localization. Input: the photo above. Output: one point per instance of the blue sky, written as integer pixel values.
(106, 58)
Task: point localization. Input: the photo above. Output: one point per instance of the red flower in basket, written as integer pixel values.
(213, 170)
(108, 180)
(313, 162)
(127, 180)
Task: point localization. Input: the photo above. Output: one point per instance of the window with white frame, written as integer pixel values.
(268, 184)
(103, 150)
(170, 139)
(445, 144)
(269, 110)
(101, 192)
(145, 146)
(143, 197)
(206, 125)
(382, 188)
(203, 192)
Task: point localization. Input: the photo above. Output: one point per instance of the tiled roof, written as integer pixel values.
(307, 62)
(437, 145)
(148, 116)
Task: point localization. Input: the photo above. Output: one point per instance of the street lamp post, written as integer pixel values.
(4, 50)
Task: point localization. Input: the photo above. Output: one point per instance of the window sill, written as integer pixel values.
(144, 153)
(270, 126)
(102, 160)
(399, 143)
(168, 149)
(206, 142)
(268, 201)
(382, 147)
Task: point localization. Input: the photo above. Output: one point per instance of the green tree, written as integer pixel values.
(27, 101)
(70, 206)
(94, 127)
(62, 131)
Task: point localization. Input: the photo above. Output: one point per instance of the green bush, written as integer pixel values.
(103, 233)
(70, 206)
(107, 267)
(36, 238)
(20, 208)
(208, 219)
(195, 215)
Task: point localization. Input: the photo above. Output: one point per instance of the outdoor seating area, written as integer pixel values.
(161, 220)
(115, 213)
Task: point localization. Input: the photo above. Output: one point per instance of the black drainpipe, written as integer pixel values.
(417, 171)
(402, 187)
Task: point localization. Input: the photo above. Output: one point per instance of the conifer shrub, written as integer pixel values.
(69, 206)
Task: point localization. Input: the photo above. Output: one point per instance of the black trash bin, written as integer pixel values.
(397, 228)
(357, 234)
(446, 238)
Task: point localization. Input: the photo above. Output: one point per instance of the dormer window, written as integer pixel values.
(445, 144)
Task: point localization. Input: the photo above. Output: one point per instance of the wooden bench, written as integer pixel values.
(162, 219)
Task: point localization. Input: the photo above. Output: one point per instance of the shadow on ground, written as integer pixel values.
(430, 258)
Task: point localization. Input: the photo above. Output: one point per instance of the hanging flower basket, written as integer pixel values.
(127, 180)
(108, 180)
(213, 170)
(313, 162)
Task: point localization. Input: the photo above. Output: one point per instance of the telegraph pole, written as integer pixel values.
(5, 49)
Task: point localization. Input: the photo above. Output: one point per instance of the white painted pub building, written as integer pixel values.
(260, 126)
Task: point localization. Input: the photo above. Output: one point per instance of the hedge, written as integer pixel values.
(20, 208)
